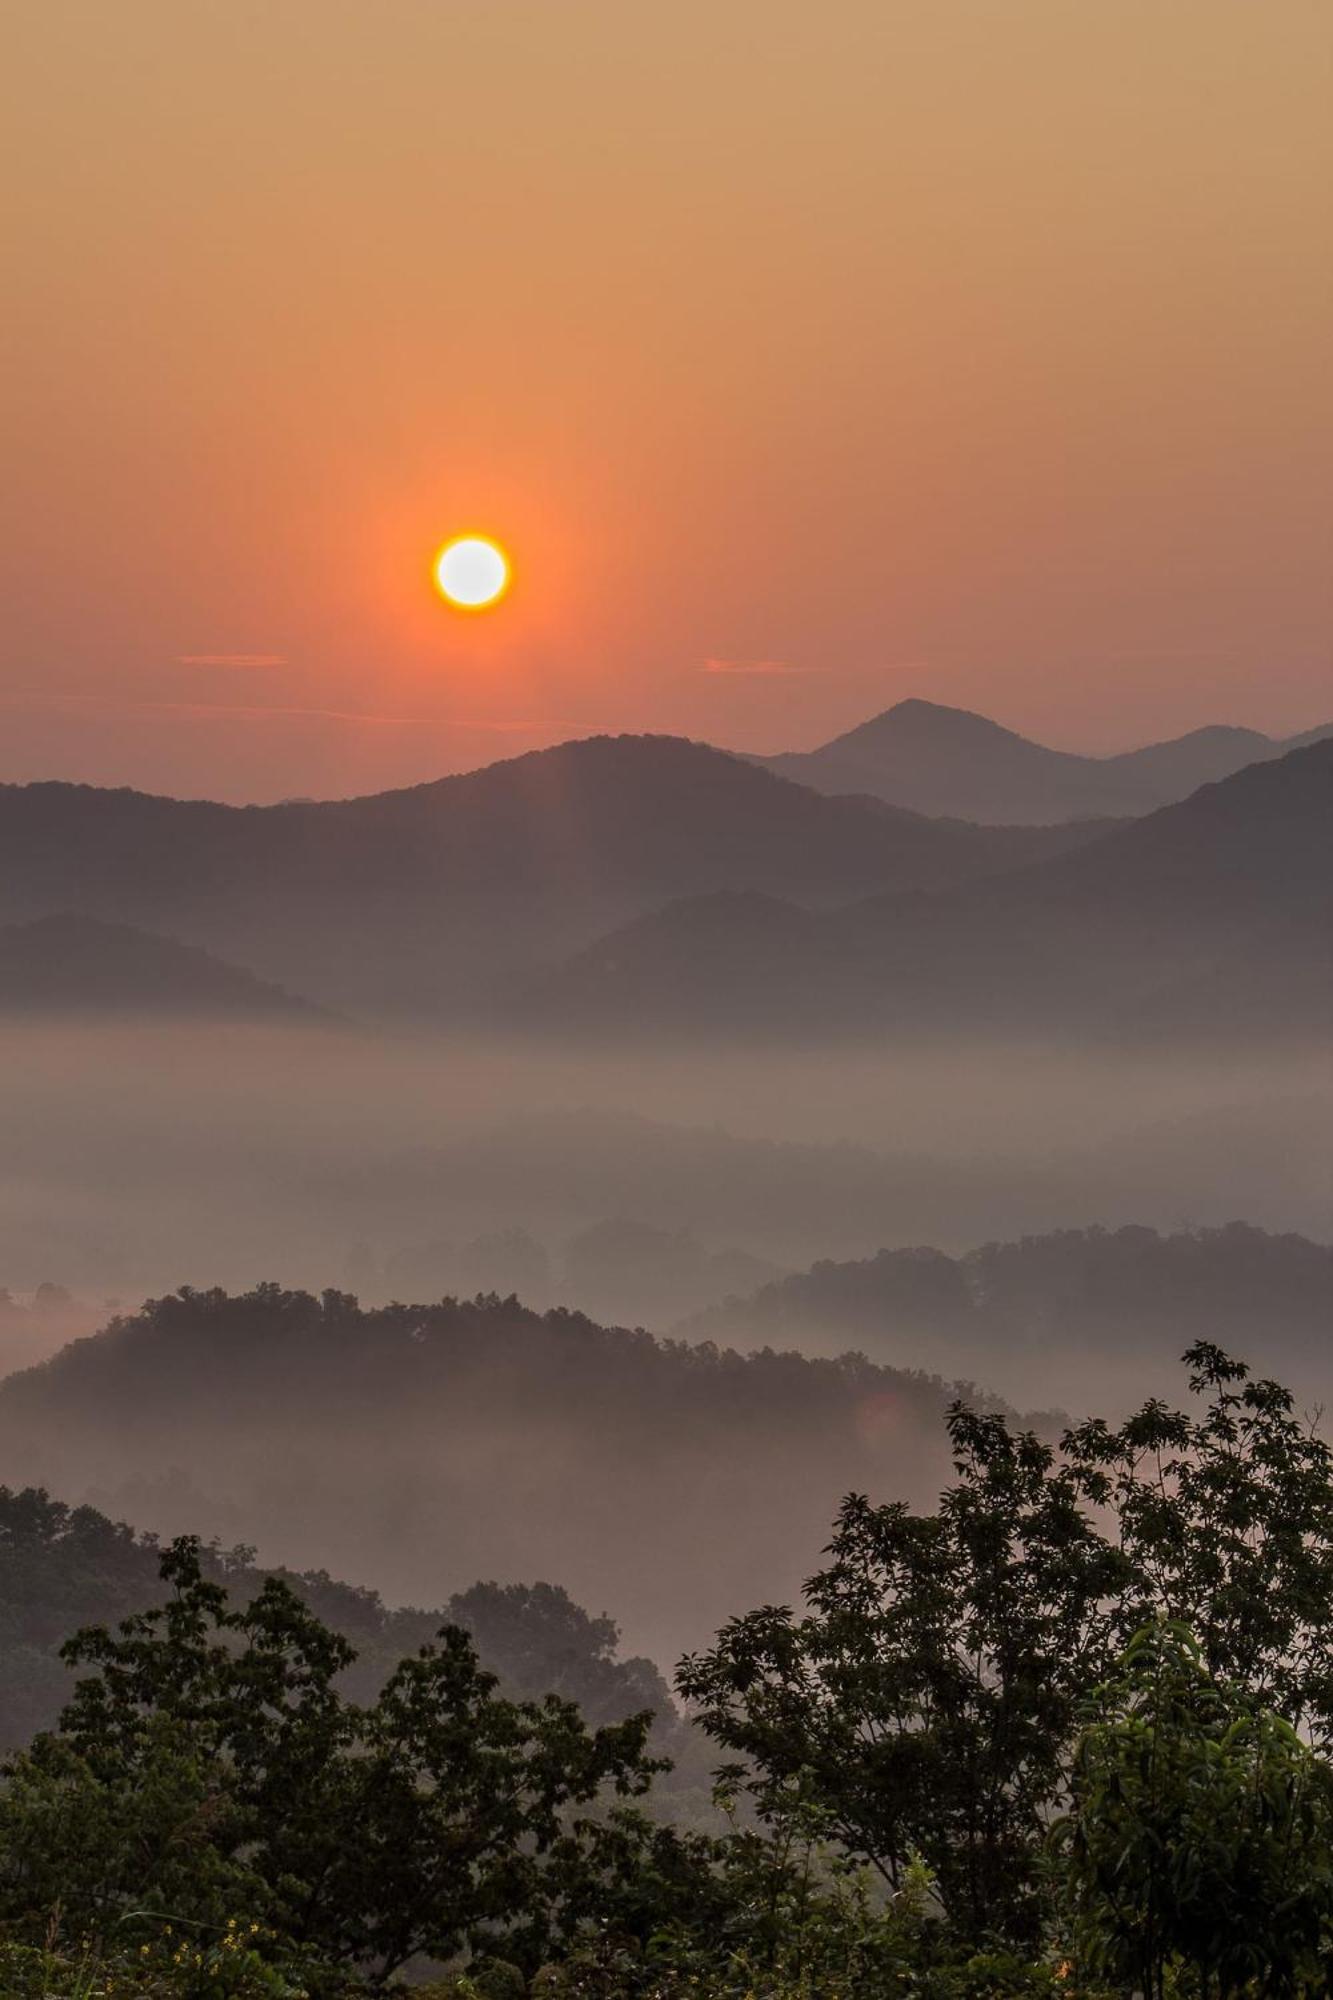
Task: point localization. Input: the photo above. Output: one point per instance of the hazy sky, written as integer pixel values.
(805, 356)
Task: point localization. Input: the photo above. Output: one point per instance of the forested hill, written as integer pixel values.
(1059, 1313)
(1208, 918)
(71, 965)
(420, 1447)
(452, 887)
(63, 1567)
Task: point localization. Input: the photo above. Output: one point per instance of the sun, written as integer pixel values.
(472, 572)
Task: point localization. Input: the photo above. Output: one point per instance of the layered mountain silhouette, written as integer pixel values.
(1204, 916)
(1039, 1314)
(368, 1441)
(417, 900)
(669, 883)
(939, 760)
(79, 965)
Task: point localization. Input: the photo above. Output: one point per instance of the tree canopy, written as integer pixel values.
(1067, 1734)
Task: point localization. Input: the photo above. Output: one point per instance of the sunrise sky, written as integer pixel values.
(802, 357)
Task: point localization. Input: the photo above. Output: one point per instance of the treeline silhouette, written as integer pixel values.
(1067, 1734)
(63, 1566)
(1008, 1311)
(424, 1446)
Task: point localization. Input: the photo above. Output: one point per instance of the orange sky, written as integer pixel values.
(976, 349)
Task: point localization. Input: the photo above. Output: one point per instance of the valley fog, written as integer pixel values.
(666, 998)
(689, 1196)
(641, 1189)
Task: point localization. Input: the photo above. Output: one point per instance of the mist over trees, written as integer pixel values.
(648, 885)
(63, 1566)
(1072, 1310)
(666, 1001)
(1207, 919)
(1066, 1732)
(759, 1153)
(367, 1442)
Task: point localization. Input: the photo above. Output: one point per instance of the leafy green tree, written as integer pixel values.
(931, 1690)
(1199, 1845)
(208, 1763)
(539, 1641)
(1224, 1517)
(926, 1697)
(62, 1567)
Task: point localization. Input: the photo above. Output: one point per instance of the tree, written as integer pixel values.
(1199, 1843)
(208, 1763)
(1225, 1521)
(540, 1642)
(927, 1696)
(931, 1692)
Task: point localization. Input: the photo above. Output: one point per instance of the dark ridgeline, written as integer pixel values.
(448, 887)
(78, 965)
(948, 761)
(648, 882)
(674, 1478)
(422, 1446)
(426, 1446)
(451, 889)
(62, 1567)
(1053, 1308)
(1207, 918)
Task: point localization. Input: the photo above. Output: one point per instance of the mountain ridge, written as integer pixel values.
(1234, 875)
(455, 886)
(71, 964)
(947, 761)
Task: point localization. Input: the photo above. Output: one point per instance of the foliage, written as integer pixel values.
(171, 1963)
(958, 1683)
(1225, 1522)
(208, 1763)
(927, 1694)
(1199, 1846)
(800, 1921)
(933, 1687)
(62, 1566)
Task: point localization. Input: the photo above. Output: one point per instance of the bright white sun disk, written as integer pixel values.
(472, 572)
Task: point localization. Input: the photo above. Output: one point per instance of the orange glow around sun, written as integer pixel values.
(472, 572)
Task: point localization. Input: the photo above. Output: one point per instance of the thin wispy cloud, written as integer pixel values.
(231, 659)
(757, 668)
(30, 701)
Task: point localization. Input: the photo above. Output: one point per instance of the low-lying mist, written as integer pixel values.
(666, 1194)
(642, 1190)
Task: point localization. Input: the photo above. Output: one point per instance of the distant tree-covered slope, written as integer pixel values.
(1071, 1306)
(421, 1447)
(1156, 927)
(79, 965)
(64, 1567)
(446, 887)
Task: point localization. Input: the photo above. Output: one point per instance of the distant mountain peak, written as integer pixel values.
(914, 718)
(1205, 916)
(949, 762)
(917, 705)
